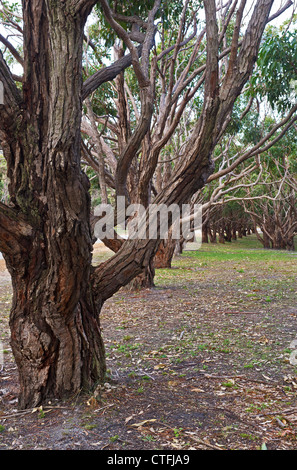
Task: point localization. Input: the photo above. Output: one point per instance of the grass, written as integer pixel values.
(246, 248)
(209, 346)
(228, 279)
(245, 259)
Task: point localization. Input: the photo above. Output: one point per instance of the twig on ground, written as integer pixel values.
(104, 407)
(200, 441)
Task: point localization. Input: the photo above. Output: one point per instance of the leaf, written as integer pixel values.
(154, 353)
(128, 419)
(263, 446)
(92, 402)
(173, 383)
(160, 366)
(137, 425)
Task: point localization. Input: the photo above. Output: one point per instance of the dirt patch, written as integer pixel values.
(202, 361)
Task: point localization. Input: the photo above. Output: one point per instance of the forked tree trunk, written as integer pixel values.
(213, 235)
(144, 280)
(54, 321)
(165, 253)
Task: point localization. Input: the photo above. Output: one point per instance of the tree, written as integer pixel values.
(46, 235)
(264, 195)
(271, 203)
(177, 74)
(178, 70)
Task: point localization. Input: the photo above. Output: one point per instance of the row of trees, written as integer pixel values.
(253, 130)
(155, 125)
(262, 200)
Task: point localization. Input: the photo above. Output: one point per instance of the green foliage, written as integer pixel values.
(11, 11)
(275, 76)
(169, 13)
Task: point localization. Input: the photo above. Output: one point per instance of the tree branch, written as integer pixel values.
(12, 49)
(122, 34)
(10, 110)
(107, 73)
(287, 122)
(83, 6)
(212, 69)
(195, 168)
(280, 11)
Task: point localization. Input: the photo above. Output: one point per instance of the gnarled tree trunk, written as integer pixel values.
(59, 351)
(165, 253)
(54, 321)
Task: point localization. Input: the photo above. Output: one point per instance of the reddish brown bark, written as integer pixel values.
(164, 255)
(54, 321)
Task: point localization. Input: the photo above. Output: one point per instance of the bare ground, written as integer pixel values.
(202, 361)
